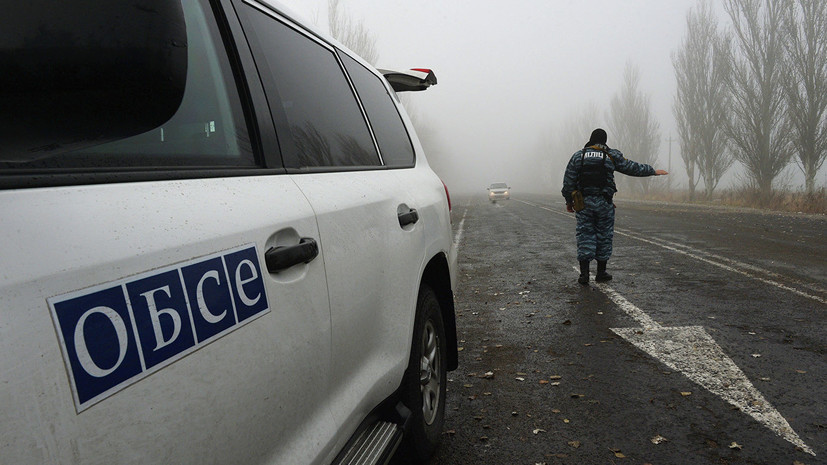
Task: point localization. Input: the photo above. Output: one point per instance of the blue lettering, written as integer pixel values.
(247, 282)
(114, 334)
(161, 316)
(99, 353)
(209, 294)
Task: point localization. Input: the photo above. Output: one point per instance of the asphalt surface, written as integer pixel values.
(558, 373)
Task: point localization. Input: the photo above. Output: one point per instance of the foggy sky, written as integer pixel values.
(509, 71)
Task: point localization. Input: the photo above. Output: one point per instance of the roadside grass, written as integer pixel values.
(744, 197)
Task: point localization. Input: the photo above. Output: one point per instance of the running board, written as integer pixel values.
(376, 445)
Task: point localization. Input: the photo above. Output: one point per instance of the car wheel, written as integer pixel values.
(424, 384)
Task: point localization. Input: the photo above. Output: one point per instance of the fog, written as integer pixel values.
(510, 74)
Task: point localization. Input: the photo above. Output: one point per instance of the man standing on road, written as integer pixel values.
(590, 172)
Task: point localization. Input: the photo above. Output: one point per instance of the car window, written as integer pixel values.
(391, 135)
(113, 87)
(325, 123)
(499, 185)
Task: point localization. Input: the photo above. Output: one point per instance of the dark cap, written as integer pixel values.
(598, 137)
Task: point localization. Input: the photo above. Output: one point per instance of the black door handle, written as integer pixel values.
(409, 217)
(282, 258)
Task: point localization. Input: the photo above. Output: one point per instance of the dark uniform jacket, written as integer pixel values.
(591, 170)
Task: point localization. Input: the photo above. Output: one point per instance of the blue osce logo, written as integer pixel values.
(116, 333)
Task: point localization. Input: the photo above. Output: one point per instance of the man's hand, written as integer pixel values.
(570, 208)
(660, 172)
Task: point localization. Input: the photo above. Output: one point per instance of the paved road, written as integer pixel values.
(708, 347)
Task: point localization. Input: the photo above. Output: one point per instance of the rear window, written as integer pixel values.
(88, 85)
(391, 135)
(323, 118)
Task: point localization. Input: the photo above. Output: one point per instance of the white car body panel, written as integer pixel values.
(59, 240)
(291, 384)
(369, 260)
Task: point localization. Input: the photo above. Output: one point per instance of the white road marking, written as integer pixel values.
(732, 262)
(694, 353)
(669, 246)
(628, 307)
(543, 207)
(458, 235)
(734, 266)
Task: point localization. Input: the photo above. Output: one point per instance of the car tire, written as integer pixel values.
(424, 384)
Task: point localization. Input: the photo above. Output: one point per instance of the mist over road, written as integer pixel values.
(707, 347)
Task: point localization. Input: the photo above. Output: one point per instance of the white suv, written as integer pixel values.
(220, 242)
(498, 191)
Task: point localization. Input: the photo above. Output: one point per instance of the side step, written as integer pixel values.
(376, 445)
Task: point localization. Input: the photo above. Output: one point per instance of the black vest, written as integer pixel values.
(593, 172)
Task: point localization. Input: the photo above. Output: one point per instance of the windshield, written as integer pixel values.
(499, 185)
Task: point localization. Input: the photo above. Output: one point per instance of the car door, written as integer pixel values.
(162, 298)
(372, 245)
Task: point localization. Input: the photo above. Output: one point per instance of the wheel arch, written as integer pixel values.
(437, 276)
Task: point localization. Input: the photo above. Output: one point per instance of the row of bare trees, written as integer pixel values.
(702, 101)
(755, 92)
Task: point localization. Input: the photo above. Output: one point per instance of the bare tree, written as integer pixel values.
(759, 126)
(353, 34)
(701, 105)
(632, 125)
(575, 131)
(558, 144)
(805, 25)
(689, 151)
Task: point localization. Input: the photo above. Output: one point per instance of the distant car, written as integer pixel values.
(499, 191)
(220, 242)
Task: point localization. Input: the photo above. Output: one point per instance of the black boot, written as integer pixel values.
(584, 272)
(602, 276)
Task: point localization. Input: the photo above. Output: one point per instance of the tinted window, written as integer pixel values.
(323, 116)
(118, 84)
(390, 132)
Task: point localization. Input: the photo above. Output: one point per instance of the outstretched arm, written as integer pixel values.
(633, 168)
